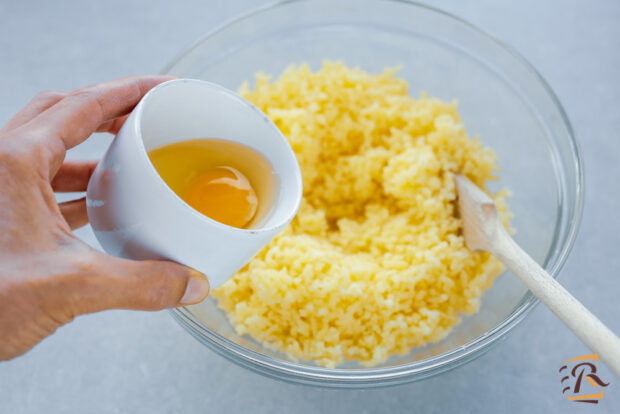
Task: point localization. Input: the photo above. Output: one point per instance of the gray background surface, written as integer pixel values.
(136, 362)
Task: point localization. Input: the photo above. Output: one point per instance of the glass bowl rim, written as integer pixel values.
(385, 376)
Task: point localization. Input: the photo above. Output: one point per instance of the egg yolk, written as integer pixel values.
(223, 194)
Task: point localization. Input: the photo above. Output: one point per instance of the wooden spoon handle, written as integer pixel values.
(580, 320)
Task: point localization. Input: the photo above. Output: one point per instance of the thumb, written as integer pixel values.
(116, 283)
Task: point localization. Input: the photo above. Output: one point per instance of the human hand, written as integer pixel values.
(47, 275)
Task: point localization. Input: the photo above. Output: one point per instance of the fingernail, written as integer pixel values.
(197, 288)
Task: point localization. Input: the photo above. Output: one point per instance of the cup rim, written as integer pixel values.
(137, 113)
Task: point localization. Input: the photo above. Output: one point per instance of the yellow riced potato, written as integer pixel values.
(374, 264)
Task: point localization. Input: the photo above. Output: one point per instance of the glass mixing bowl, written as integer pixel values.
(502, 99)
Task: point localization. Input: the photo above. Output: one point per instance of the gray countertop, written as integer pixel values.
(136, 362)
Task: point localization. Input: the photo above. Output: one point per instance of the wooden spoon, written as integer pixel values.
(484, 230)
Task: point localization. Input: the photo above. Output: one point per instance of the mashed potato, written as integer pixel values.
(374, 263)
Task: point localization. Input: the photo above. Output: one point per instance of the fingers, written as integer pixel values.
(113, 126)
(73, 176)
(38, 104)
(142, 285)
(74, 213)
(83, 111)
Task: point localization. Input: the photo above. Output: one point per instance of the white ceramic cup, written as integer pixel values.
(134, 213)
